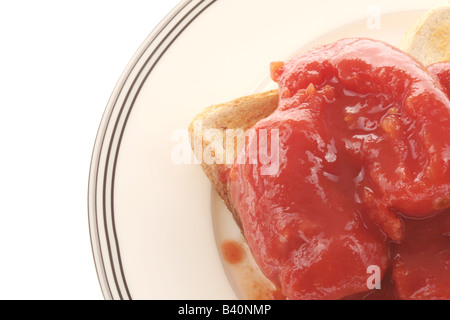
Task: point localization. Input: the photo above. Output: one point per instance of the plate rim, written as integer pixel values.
(104, 243)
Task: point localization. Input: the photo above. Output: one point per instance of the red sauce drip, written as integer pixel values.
(364, 165)
(232, 251)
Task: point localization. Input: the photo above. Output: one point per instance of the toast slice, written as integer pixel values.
(240, 114)
(428, 40)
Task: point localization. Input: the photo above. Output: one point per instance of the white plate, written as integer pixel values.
(155, 225)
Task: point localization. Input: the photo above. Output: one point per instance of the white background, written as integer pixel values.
(60, 61)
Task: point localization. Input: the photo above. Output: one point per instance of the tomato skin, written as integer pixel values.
(363, 145)
(408, 162)
(442, 71)
(421, 263)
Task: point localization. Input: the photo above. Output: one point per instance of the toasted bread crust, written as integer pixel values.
(242, 113)
(428, 40)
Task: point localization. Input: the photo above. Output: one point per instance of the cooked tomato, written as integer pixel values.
(363, 145)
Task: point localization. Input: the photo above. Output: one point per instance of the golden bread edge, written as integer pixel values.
(242, 113)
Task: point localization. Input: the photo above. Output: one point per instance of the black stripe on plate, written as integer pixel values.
(119, 275)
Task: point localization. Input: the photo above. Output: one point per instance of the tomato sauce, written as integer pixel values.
(250, 282)
(232, 251)
(363, 179)
(442, 71)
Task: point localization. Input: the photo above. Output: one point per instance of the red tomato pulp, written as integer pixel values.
(364, 150)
